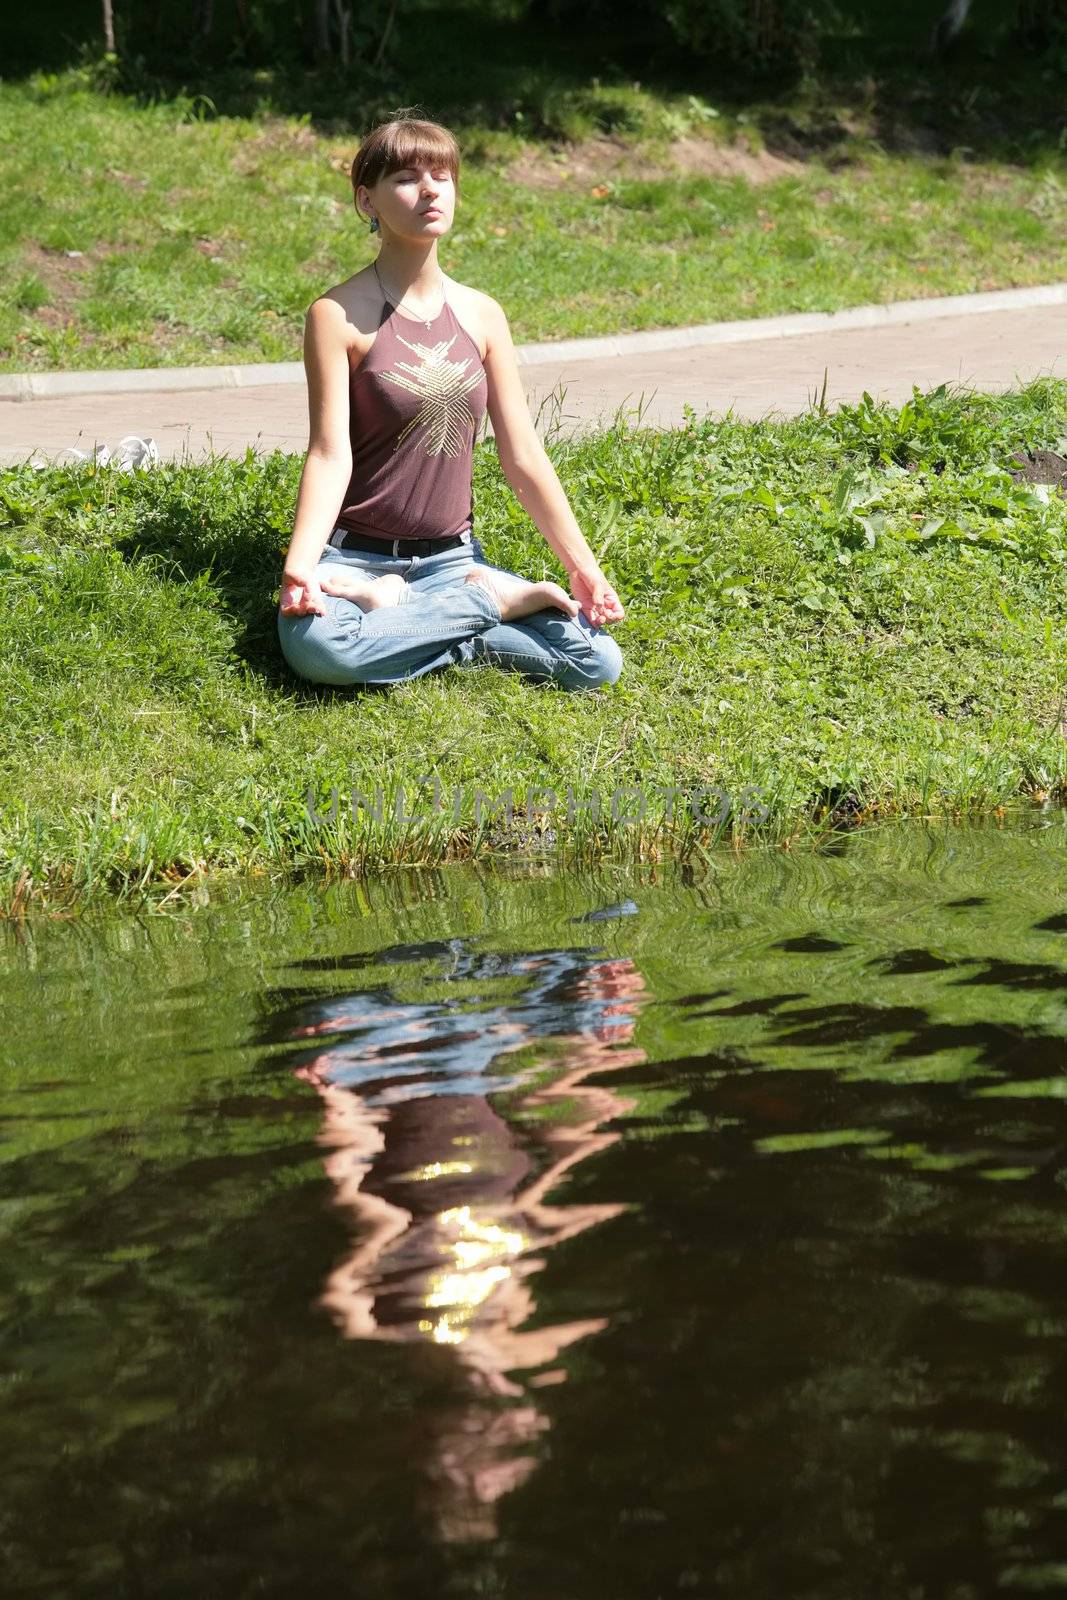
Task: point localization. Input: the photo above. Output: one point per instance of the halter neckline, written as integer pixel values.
(425, 322)
(417, 322)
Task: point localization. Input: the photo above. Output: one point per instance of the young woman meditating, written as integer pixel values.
(402, 363)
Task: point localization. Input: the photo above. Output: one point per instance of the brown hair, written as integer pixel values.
(403, 142)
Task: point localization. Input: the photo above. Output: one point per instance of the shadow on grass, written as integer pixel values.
(227, 521)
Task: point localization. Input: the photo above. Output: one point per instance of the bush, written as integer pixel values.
(754, 34)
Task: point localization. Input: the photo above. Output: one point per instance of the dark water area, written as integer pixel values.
(509, 1232)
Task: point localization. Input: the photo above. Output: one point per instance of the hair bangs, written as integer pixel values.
(404, 142)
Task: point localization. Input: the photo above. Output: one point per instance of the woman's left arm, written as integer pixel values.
(530, 473)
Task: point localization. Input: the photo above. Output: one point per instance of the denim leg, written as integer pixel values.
(444, 621)
(349, 645)
(547, 645)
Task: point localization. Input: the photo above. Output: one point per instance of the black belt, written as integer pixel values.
(394, 547)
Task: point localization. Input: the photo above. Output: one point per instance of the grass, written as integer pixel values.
(859, 613)
(172, 225)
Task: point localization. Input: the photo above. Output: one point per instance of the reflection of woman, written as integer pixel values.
(451, 1213)
(402, 363)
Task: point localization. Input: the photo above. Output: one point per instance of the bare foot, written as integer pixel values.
(370, 593)
(517, 598)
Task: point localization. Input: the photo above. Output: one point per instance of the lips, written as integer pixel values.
(435, 211)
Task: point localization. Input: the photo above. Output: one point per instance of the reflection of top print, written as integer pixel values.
(443, 386)
(391, 1050)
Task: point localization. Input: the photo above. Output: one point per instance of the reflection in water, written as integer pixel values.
(448, 1198)
(832, 1313)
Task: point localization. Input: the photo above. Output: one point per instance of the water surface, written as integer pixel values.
(502, 1232)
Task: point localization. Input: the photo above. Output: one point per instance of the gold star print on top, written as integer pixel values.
(443, 386)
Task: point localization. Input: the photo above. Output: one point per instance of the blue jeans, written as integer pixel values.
(442, 622)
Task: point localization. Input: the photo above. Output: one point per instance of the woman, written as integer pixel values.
(402, 363)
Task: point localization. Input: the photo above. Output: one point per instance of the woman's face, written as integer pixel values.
(416, 202)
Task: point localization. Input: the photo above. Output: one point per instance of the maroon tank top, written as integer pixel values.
(415, 402)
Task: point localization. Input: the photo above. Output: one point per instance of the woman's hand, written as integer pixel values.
(301, 596)
(595, 595)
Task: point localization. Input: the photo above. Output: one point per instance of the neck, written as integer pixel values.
(410, 270)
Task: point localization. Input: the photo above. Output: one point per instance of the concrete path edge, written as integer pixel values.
(127, 380)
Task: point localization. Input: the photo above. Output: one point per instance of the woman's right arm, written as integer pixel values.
(328, 467)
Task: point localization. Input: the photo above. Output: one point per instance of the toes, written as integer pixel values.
(560, 598)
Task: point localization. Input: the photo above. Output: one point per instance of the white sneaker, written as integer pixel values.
(132, 452)
(100, 454)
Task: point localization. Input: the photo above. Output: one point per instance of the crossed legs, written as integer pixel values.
(388, 620)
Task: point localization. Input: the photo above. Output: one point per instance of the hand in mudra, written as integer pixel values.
(301, 597)
(596, 597)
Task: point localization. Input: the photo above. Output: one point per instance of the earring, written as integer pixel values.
(375, 226)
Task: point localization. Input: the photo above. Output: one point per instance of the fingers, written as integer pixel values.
(601, 605)
(605, 607)
(300, 603)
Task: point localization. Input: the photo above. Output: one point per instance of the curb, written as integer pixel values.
(127, 380)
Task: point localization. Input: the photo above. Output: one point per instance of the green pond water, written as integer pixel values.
(504, 1232)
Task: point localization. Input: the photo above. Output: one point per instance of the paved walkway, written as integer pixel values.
(990, 351)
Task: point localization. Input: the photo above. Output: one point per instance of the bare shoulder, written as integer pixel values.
(350, 311)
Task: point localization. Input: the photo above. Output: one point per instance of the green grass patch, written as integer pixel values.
(193, 222)
(857, 613)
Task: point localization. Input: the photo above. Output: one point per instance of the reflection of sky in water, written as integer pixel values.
(391, 1050)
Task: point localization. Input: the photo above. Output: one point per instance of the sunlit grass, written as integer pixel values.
(158, 234)
(830, 621)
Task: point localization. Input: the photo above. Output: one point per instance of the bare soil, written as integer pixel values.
(1041, 466)
(273, 134)
(62, 276)
(590, 161)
